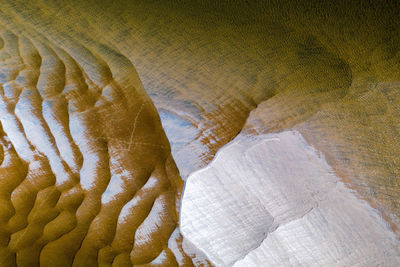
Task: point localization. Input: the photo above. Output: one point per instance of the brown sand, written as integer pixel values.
(87, 177)
(74, 112)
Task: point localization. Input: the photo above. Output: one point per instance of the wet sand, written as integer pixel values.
(82, 143)
(273, 200)
(87, 177)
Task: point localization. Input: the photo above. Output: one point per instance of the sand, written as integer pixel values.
(86, 166)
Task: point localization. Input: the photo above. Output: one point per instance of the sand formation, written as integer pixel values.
(87, 176)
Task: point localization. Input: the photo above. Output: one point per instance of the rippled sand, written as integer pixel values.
(87, 176)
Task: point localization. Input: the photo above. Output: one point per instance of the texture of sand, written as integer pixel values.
(272, 200)
(87, 177)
